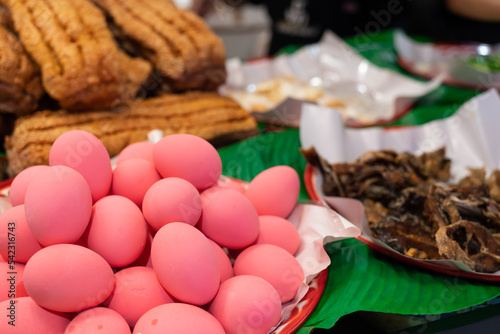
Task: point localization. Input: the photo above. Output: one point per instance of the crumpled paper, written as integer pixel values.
(373, 95)
(317, 226)
(470, 136)
(448, 60)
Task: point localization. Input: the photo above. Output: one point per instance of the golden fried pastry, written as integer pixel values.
(183, 49)
(218, 119)
(81, 65)
(20, 85)
(133, 73)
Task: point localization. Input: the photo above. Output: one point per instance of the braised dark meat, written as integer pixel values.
(407, 234)
(494, 185)
(408, 198)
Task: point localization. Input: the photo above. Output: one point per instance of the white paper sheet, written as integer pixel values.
(428, 59)
(372, 94)
(470, 135)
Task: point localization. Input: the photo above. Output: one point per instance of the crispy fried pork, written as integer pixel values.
(184, 51)
(5, 17)
(20, 84)
(80, 63)
(218, 119)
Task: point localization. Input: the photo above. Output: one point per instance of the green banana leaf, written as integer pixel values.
(359, 279)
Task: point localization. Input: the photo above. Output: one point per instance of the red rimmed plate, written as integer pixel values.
(312, 180)
(299, 314)
(5, 184)
(306, 305)
(4, 193)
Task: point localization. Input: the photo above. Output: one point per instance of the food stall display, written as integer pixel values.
(138, 158)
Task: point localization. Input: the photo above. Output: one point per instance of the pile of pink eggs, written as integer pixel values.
(161, 243)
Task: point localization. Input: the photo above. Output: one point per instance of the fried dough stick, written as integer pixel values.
(20, 84)
(78, 57)
(215, 118)
(183, 49)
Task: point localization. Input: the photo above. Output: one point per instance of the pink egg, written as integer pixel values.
(23, 315)
(171, 200)
(137, 290)
(246, 304)
(11, 284)
(117, 230)
(86, 154)
(98, 320)
(68, 278)
(185, 263)
(274, 191)
(132, 178)
(188, 157)
(21, 181)
(275, 265)
(280, 232)
(226, 268)
(58, 205)
(139, 150)
(229, 219)
(17, 243)
(178, 318)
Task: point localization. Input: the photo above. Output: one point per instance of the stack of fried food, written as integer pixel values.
(205, 114)
(411, 206)
(78, 57)
(20, 84)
